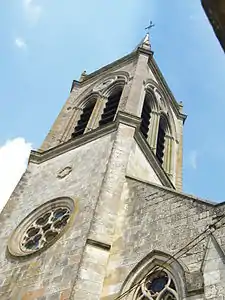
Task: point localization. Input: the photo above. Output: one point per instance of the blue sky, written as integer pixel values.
(46, 44)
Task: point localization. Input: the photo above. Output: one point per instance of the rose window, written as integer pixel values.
(42, 227)
(157, 286)
(45, 229)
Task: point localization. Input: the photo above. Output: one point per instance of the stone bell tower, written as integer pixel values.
(99, 212)
(133, 87)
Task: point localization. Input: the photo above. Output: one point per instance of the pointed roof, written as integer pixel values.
(145, 43)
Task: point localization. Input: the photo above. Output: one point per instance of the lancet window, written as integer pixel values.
(84, 118)
(111, 106)
(161, 139)
(156, 128)
(146, 116)
(100, 108)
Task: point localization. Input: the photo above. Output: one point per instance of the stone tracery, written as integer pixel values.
(157, 286)
(42, 227)
(45, 229)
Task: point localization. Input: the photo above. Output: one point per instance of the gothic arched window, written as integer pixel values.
(84, 118)
(146, 116)
(158, 285)
(161, 138)
(111, 107)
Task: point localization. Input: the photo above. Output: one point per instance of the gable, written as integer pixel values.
(139, 167)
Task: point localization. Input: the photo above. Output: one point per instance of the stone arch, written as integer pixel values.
(162, 104)
(84, 115)
(105, 83)
(99, 93)
(112, 95)
(149, 114)
(153, 262)
(154, 103)
(93, 87)
(91, 97)
(118, 83)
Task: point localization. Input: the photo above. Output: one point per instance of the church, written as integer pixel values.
(99, 213)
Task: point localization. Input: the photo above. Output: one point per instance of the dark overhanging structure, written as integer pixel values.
(215, 11)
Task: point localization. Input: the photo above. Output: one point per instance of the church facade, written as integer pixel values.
(99, 212)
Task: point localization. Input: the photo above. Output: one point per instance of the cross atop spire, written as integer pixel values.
(145, 43)
(148, 28)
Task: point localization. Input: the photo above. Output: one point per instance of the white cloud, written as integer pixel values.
(20, 43)
(13, 162)
(193, 159)
(32, 10)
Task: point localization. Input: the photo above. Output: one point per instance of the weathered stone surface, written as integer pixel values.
(54, 270)
(126, 221)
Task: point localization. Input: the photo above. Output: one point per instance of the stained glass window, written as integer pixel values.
(158, 285)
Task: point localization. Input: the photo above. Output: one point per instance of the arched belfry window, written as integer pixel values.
(111, 106)
(84, 118)
(146, 115)
(160, 146)
(158, 285)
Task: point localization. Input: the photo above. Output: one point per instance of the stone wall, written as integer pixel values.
(51, 274)
(158, 219)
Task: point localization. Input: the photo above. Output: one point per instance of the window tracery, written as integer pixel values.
(101, 105)
(41, 227)
(45, 229)
(158, 285)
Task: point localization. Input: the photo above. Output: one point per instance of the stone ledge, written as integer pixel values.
(38, 157)
(90, 77)
(98, 244)
(195, 283)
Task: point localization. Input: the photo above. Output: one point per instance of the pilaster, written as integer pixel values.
(168, 156)
(179, 159)
(136, 96)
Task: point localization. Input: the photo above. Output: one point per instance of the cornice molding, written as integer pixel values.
(91, 77)
(145, 51)
(100, 245)
(128, 119)
(38, 157)
(162, 82)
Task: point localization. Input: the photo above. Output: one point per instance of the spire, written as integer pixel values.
(145, 43)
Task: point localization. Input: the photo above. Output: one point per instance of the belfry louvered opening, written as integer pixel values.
(161, 139)
(146, 116)
(84, 118)
(111, 107)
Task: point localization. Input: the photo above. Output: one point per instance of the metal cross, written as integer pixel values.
(150, 26)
